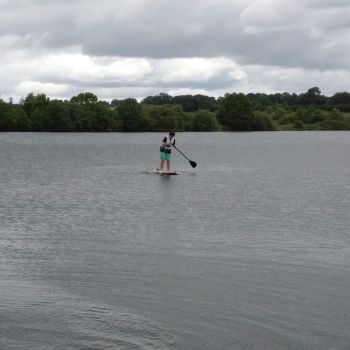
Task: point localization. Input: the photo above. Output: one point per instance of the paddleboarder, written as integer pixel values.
(165, 150)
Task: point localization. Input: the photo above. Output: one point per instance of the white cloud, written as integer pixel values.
(148, 46)
(51, 89)
(198, 69)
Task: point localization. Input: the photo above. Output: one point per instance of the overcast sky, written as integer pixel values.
(137, 48)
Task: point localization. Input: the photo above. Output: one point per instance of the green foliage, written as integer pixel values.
(312, 97)
(278, 114)
(7, 120)
(265, 102)
(84, 98)
(263, 122)
(161, 99)
(288, 119)
(188, 121)
(194, 103)
(317, 116)
(331, 124)
(163, 118)
(115, 102)
(299, 125)
(105, 118)
(236, 113)
(336, 115)
(130, 114)
(204, 120)
(57, 117)
(38, 120)
(23, 123)
(341, 100)
(189, 103)
(82, 117)
(35, 102)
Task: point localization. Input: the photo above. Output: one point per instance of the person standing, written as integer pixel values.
(165, 150)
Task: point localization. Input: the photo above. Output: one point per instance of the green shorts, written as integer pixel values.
(165, 156)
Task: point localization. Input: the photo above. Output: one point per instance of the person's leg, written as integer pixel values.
(168, 156)
(163, 157)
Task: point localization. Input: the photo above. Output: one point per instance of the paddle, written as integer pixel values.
(193, 164)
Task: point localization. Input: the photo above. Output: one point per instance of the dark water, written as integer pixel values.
(250, 250)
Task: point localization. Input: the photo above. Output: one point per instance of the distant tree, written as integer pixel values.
(279, 113)
(334, 124)
(288, 120)
(290, 99)
(58, 118)
(84, 98)
(263, 122)
(341, 100)
(115, 102)
(161, 99)
(194, 103)
(236, 113)
(104, 118)
(187, 102)
(39, 119)
(335, 114)
(259, 101)
(299, 125)
(316, 116)
(130, 114)
(312, 97)
(34, 102)
(205, 102)
(163, 118)
(188, 121)
(7, 120)
(23, 123)
(204, 120)
(82, 117)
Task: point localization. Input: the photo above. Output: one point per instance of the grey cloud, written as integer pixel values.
(315, 39)
(327, 3)
(165, 29)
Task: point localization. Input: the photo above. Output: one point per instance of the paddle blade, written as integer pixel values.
(193, 164)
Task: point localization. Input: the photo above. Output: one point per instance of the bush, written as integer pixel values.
(288, 119)
(188, 121)
(7, 119)
(204, 120)
(279, 113)
(130, 114)
(263, 122)
(331, 124)
(163, 118)
(236, 113)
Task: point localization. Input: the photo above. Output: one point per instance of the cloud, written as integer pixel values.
(278, 16)
(144, 46)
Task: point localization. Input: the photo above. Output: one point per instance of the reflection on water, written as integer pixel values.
(247, 251)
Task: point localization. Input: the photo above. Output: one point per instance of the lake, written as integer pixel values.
(249, 250)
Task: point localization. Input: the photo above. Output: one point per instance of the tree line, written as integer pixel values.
(232, 112)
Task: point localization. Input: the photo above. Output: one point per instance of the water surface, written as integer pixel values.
(250, 250)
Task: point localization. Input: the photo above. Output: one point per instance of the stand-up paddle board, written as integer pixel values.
(166, 173)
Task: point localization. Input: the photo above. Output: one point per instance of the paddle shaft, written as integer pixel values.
(180, 152)
(193, 164)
